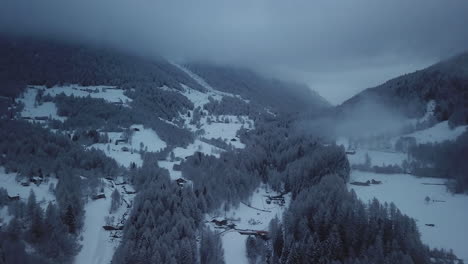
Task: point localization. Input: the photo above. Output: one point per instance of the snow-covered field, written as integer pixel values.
(33, 110)
(408, 193)
(126, 153)
(448, 212)
(146, 136)
(108, 93)
(247, 218)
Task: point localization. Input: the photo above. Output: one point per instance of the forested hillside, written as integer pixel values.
(276, 94)
(45, 62)
(445, 82)
(111, 158)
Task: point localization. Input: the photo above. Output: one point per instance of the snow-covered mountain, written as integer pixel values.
(107, 157)
(444, 83)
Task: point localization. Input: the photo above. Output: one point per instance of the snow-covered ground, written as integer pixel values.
(126, 153)
(33, 110)
(247, 218)
(146, 136)
(436, 134)
(408, 193)
(98, 246)
(108, 93)
(8, 182)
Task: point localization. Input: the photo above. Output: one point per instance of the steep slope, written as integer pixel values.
(45, 62)
(445, 82)
(272, 93)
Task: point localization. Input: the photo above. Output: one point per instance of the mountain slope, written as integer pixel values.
(273, 93)
(445, 82)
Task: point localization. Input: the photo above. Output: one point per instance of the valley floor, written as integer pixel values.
(446, 211)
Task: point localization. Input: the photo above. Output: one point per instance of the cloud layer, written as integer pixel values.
(337, 47)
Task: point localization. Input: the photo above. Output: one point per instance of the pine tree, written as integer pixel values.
(70, 220)
(115, 202)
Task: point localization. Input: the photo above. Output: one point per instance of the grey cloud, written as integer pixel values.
(337, 47)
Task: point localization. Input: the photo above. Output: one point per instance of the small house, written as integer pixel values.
(36, 180)
(219, 222)
(113, 228)
(41, 118)
(99, 196)
(125, 149)
(128, 189)
(25, 183)
(14, 198)
(121, 140)
(181, 181)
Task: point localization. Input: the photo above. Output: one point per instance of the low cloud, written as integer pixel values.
(337, 47)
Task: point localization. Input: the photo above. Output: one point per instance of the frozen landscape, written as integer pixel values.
(233, 132)
(447, 212)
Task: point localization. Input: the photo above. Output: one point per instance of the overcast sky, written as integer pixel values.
(337, 47)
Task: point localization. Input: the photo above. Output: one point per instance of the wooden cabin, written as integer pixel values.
(113, 228)
(181, 181)
(14, 198)
(99, 196)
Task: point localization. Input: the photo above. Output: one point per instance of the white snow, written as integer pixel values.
(8, 182)
(108, 93)
(32, 109)
(408, 194)
(168, 165)
(438, 133)
(233, 242)
(148, 137)
(127, 153)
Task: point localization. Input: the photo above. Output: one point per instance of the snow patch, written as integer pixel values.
(146, 136)
(33, 110)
